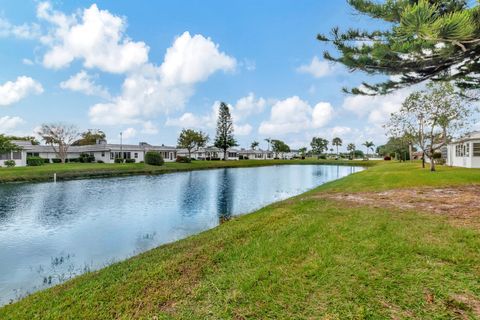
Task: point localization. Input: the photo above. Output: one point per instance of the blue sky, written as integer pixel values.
(148, 69)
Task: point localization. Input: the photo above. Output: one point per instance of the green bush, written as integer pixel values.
(35, 161)
(153, 158)
(47, 160)
(56, 160)
(183, 159)
(129, 160)
(86, 158)
(10, 163)
(100, 161)
(118, 160)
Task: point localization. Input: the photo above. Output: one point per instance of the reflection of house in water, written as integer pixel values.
(226, 186)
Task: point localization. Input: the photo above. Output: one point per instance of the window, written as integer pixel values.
(466, 149)
(103, 154)
(112, 155)
(476, 149)
(258, 155)
(17, 155)
(232, 154)
(5, 156)
(33, 154)
(136, 155)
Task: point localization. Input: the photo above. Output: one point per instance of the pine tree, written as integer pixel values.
(224, 138)
(425, 40)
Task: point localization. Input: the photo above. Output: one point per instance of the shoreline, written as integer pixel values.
(77, 171)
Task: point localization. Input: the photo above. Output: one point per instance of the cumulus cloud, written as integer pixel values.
(7, 123)
(83, 82)
(151, 90)
(294, 115)
(377, 109)
(129, 133)
(23, 31)
(27, 62)
(14, 91)
(243, 108)
(94, 36)
(317, 68)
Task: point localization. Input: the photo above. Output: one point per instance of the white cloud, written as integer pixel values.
(293, 115)
(14, 91)
(377, 109)
(83, 82)
(317, 68)
(7, 124)
(246, 106)
(149, 128)
(193, 59)
(23, 31)
(242, 130)
(151, 90)
(27, 62)
(95, 36)
(129, 133)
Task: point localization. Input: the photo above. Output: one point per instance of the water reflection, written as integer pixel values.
(52, 232)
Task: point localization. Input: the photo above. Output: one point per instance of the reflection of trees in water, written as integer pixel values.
(10, 200)
(193, 193)
(226, 186)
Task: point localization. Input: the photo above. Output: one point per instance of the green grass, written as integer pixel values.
(101, 170)
(302, 258)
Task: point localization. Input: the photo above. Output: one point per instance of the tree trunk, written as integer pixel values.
(423, 160)
(432, 160)
(224, 154)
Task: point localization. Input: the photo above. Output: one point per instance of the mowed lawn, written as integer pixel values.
(101, 170)
(303, 258)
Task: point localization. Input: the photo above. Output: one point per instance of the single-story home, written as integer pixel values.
(102, 151)
(255, 154)
(465, 152)
(209, 153)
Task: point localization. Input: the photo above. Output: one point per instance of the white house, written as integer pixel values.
(256, 154)
(465, 152)
(209, 153)
(102, 151)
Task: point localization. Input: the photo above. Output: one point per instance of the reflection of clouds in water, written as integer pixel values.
(52, 232)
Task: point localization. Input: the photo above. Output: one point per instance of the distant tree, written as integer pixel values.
(224, 138)
(90, 137)
(430, 116)
(268, 140)
(369, 145)
(351, 147)
(254, 145)
(31, 139)
(60, 137)
(358, 154)
(337, 142)
(401, 146)
(190, 139)
(303, 151)
(319, 145)
(6, 145)
(422, 40)
(278, 146)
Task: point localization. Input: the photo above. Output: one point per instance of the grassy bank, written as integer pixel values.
(100, 170)
(303, 258)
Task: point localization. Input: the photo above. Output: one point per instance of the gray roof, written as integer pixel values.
(27, 146)
(475, 135)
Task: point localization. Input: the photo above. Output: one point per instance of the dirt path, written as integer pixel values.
(460, 204)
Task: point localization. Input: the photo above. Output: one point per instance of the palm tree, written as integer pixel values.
(268, 142)
(369, 145)
(351, 147)
(254, 145)
(337, 142)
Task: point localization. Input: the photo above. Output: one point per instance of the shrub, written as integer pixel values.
(46, 160)
(100, 161)
(118, 160)
(183, 159)
(86, 158)
(153, 158)
(129, 160)
(35, 161)
(437, 155)
(72, 160)
(10, 163)
(56, 160)
(324, 157)
(387, 158)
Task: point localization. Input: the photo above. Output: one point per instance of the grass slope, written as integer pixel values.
(101, 170)
(302, 258)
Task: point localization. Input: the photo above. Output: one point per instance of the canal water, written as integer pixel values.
(51, 232)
